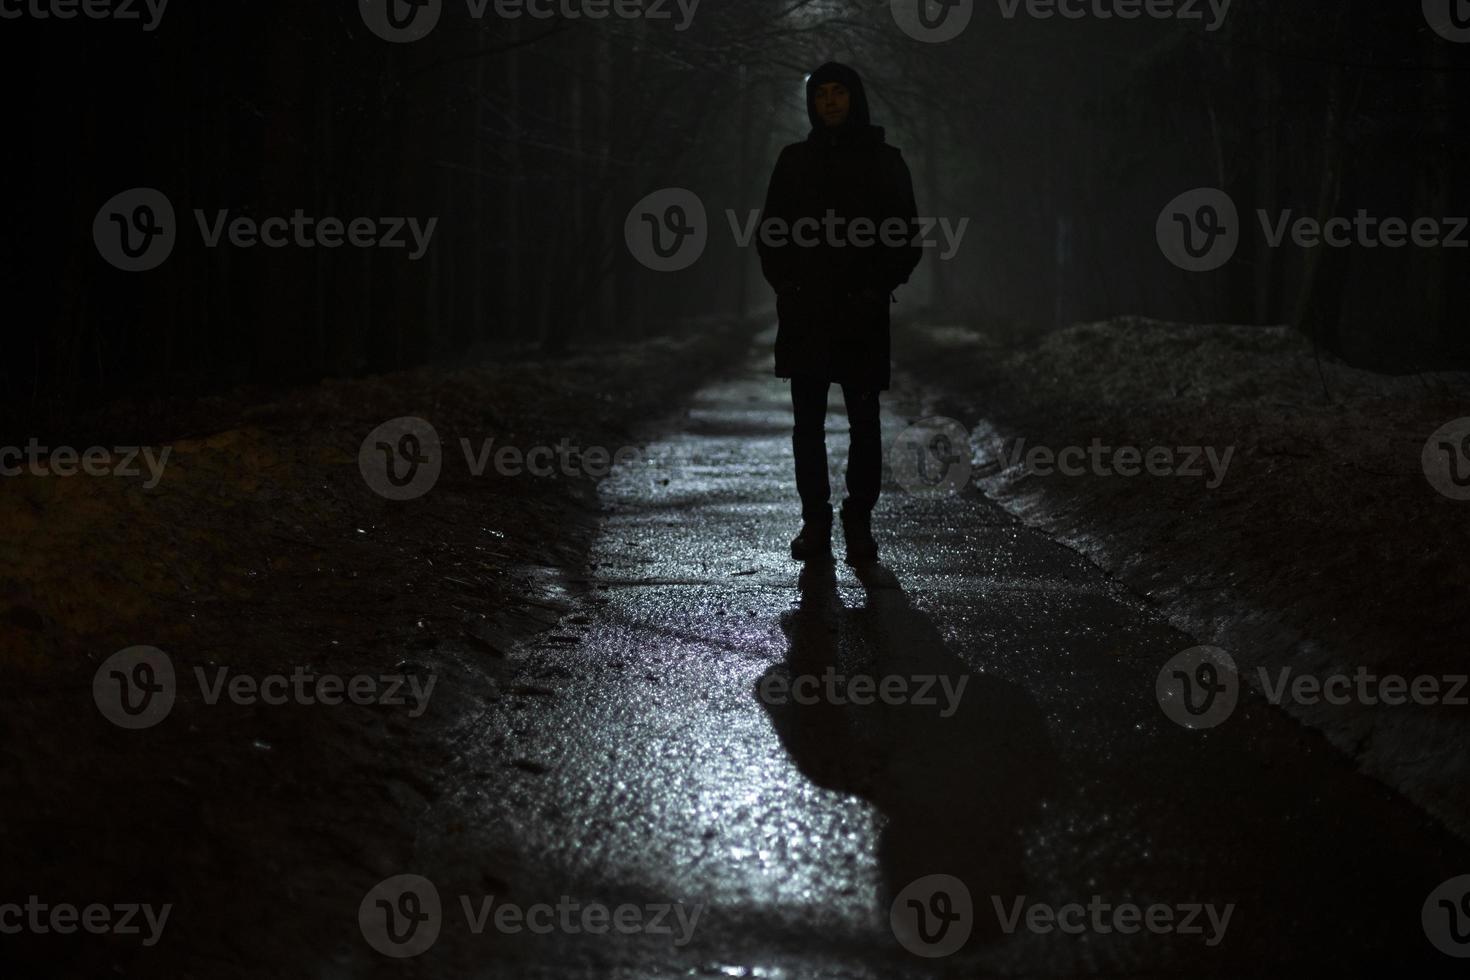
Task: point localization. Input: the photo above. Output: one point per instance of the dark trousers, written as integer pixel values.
(809, 441)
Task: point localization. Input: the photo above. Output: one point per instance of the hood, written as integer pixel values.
(858, 127)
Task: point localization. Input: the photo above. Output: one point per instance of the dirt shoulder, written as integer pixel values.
(261, 551)
(1319, 548)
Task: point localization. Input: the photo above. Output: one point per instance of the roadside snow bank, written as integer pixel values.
(1321, 549)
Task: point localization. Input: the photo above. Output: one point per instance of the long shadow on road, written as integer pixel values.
(870, 701)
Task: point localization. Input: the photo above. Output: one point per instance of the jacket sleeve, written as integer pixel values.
(899, 263)
(779, 264)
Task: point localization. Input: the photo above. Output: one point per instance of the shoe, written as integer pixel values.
(857, 531)
(815, 540)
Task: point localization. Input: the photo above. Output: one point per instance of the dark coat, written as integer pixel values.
(832, 302)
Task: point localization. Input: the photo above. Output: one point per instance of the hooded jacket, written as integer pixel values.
(833, 281)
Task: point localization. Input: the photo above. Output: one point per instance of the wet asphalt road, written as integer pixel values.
(657, 772)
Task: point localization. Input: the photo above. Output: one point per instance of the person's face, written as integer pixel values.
(833, 103)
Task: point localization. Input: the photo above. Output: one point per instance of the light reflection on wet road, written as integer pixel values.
(667, 778)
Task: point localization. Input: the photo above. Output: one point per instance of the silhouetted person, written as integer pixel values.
(834, 275)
